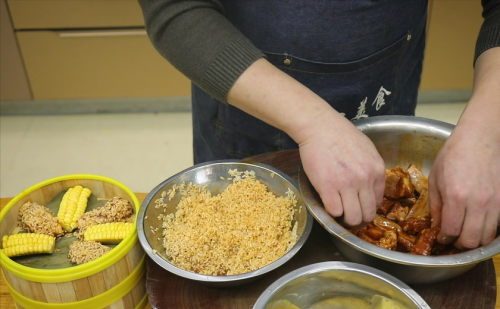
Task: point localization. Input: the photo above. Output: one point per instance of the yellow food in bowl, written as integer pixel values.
(242, 229)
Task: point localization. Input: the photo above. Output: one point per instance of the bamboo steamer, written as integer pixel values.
(115, 280)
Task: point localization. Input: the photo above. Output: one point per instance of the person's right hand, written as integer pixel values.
(340, 161)
(345, 168)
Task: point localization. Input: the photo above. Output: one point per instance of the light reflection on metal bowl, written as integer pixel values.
(400, 140)
(337, 285)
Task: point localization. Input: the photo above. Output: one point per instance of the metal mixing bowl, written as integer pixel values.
(211, 174)
(314, 283)
(400, 140)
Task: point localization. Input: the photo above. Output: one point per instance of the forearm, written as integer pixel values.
(483, 110)
(340, 161)
(271, 95)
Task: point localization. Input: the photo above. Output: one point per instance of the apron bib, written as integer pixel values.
(363, 57)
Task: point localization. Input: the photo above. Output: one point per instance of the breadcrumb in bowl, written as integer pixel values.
(224, 223)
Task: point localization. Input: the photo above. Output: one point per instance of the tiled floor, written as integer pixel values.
(139, 150)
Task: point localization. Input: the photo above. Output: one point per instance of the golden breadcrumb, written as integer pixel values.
(36, 218)
(81, 252)
(240, 230)
(116, 209)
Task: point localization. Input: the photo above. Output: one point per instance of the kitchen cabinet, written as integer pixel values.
(97, 64)
(67, 14)
(83, 49)
(452, 31)
(13, 80)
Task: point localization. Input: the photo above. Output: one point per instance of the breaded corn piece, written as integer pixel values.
(81, 252)
(116, 209)
(36, 218)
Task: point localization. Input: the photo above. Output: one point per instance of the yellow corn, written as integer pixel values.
(28, 243)
(72, 207)
(108, 233)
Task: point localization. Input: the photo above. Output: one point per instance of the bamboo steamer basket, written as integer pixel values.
(115, 280)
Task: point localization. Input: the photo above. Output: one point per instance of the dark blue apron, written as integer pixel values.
(363, 57)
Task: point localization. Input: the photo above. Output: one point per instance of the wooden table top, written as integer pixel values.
(169, 291)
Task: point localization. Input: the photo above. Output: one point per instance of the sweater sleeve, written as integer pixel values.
(489, 35)
(196, 38)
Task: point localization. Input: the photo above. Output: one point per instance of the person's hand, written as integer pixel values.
(340, 161)
(464, 183)
(345, 168)
(464, 187)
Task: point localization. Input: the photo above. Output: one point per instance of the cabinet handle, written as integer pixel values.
(101, 33)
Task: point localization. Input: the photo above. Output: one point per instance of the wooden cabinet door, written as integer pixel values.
(13, 80)
(451, 40)
(67, 14)
(97, 64)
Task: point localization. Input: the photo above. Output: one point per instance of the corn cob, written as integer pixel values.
(72, 207)
(28, 243)
(108, 233)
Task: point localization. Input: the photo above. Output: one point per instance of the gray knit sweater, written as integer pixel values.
(196, 38)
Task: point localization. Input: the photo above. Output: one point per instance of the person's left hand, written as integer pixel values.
(464, 183)
(464, 186)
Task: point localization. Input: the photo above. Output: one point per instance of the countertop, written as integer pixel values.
(476, 288)
(6, 301)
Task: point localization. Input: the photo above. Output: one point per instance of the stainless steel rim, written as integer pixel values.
(199, 277)
(348, 266)
(341, 234)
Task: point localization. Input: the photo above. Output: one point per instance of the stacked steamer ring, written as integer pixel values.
(116, 278)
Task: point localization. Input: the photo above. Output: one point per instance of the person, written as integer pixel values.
(271, 75)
